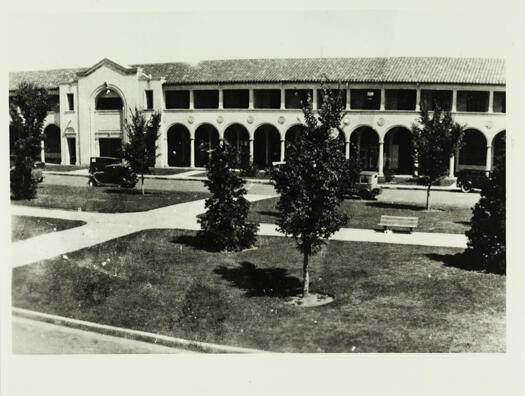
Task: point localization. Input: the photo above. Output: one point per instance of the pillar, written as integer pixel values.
(191, 100)
(491, 102)
(314, 98)
(380, 160)
(220, 99)
(451, 167)
(382, 105)
(488, 163)
(251, 150)
(347, 148)
(42, 151)
(283, 99)
(282, 150)
(250, 99)
(454, 100)
(192, 152)
(418, 99)
(348, 99)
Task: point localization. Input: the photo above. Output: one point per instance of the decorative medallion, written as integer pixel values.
(281, 120)
(381, 121)
(220, 119)
(346, 121)
(250, 119)
(190, 119)
(489, 124)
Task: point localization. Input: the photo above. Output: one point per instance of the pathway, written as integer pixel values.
(102, 227)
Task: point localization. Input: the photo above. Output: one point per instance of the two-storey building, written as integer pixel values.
(255, 105)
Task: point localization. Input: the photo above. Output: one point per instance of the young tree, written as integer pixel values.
(140, 150)
(310, 182)
(436, 138)
(224, 226)
(27, 109)
(486, 244)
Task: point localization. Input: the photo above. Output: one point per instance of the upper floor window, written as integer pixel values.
(54, 103)
(477, 101)
(400, 99)
(235, 98)
(177, 99)
(340, 92)
(149, 99)
(70, 102)
(433, 98)
(206, 99)
(293, 98)
(499, 103)
(108, 100)
(266, 98)
(365, 99)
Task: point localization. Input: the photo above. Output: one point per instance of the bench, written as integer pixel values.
(398, 223)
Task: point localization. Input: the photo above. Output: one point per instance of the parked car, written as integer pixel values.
(467, 180)
(110, 171)
(367, 187)
(36, 173)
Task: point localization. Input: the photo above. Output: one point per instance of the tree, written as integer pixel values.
(436, 138)
(224, 226)
(140, 150)
(486, 244)
(27, 109)
(310, 182)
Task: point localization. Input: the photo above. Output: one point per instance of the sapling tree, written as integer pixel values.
(27, 110)
(224, 226)
(310, 182)
(140, 149)
(436, 138)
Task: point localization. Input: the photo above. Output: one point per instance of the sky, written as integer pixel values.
(81, 39)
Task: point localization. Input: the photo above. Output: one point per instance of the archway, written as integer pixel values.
(52, 144)
(267, 145)
(178, 146)
(108, 99)
(498, 148)
(366, 141)
(473, 152)
(206, 139)
(292, 134)
(398, 151)
(238, 137)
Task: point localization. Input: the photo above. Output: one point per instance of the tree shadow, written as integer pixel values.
(259, 282)
(465, 223)
(462, 261)
(194, 241)
(268, 213)
(127, 191)
(387, 205)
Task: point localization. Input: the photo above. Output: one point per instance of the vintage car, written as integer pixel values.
(367, 187)
(470, 179)
(110, 171)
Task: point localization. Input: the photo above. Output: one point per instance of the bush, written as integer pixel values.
(248, 171)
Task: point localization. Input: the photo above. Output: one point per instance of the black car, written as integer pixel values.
(470, 179)
(110, 171)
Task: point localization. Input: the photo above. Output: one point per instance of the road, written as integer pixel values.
(417, 197)
(35, 337)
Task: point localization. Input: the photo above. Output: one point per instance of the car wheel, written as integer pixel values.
(466, 187)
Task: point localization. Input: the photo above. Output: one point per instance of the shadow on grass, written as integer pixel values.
(259, 282)
(193, 241)
(386, 205)
(465, 223)
(459, 260)
(268, 213)
(128, 191)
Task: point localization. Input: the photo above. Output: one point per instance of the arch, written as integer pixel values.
(399, 148)
(52, 144)
(108, 99)
(473, 149)
(267, 145)
(361, 126)
(178, 137)
(292, 133)
(499, 148)
(366, 141)
(237, 136)
(206, 139)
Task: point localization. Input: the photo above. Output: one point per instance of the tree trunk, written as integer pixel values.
(428, 195)
(306, 276)
(142, 182)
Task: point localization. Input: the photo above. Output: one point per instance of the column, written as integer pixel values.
(192, 152)
(454, 100)
(220, 99)
(283, 99)
(314, 98)
(250, 99)
(491, 101)
(251, 150)
(488, 164)
(42, 151)
(282, 150)
(418, 99)
(451, 167)
(380, 160)
(191, 100)
(347, 147)
(347, 99)
(382, 106)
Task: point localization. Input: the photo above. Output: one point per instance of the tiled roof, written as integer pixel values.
(390, 70)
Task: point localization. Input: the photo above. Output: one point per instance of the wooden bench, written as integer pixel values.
(398, 223)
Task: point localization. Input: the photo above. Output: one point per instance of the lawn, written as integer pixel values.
(366, 214)
(62, 168)
(167, 171)
(25, 227)
(106, 200)
(388, 298)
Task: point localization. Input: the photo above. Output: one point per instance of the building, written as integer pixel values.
(255, 105)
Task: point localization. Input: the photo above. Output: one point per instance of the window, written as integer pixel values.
(320, 97)
(499, 103)
(70, 102)
(109, 100)
(54, 103)
(430, 98)
(149, 99)
(177, 99)
(365, 99)
(294, 97)
(477, 101)
(206, 99)
(267, 98)
(400, 99)
(235, 98)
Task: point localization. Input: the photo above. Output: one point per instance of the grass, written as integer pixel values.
(388, 298)
(366, 214)
(167, 171)
(62, 168)
(25, 227)
(106, 200)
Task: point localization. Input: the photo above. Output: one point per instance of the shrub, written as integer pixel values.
(248, 171)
